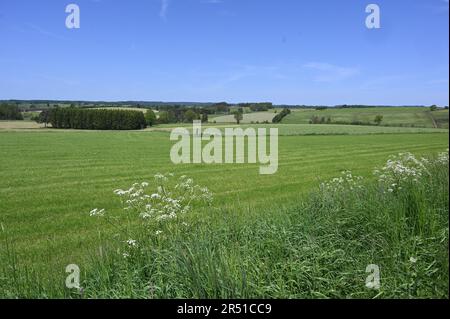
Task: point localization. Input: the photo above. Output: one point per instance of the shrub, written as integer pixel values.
(150, 118)
(280, 116)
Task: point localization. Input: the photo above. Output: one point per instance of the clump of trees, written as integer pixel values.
(10, 112)
(97, 119)
(320, 120)
(378, 119)
(182, 115)
(257, 107)
(43, 117)
(239, 115)
(150, 118)
(280, 116)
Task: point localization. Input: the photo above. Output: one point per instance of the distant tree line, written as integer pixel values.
(280, 116)
(181, 115)
(257, 107)
(327, 120)
(94, 119)
(10, 112)
(216, 108)
(319, 120)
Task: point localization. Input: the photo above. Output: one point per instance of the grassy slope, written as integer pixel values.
(394, 116)
(45, 197)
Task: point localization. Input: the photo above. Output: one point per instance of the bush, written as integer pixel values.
(150, 118)
(280, 116)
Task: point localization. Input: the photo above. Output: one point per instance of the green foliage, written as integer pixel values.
(165, 117)
(43, 117)
(10, 112)
(378, 119)
(150, 117)
(257, 107)
(238, 115)
(190, 116)
(96, 119)
(280, 116)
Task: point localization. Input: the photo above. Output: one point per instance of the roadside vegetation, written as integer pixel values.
(171, 240)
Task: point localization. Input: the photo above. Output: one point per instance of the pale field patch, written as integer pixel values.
(248, 118)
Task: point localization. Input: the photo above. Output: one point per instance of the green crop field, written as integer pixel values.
(393, 116)
(50, 180)
(221, 152)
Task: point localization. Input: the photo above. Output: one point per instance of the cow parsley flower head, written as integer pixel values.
(347, 181)
(97, 212)
(132, 243)
(165, 199)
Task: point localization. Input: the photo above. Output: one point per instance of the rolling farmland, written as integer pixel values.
(45, 198)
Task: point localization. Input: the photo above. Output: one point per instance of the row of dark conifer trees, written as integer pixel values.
(96, 119)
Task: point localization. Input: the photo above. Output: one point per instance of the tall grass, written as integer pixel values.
(318, 247)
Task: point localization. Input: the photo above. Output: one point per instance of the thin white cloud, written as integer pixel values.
(164, 8)
(325, 72)
(45, 32)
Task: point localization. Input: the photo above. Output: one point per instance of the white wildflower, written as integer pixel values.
(97, 212)
(132, 242)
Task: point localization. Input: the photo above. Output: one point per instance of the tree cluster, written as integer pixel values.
(280, 116)
(95, 119)
(10, 112)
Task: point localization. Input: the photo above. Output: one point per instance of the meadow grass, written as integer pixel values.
(51, 180)
(392, 116)
(315, 247)
(309, 129)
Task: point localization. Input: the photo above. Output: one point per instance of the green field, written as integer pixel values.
(51, 179)
(248, 118)
(392, 116)
(47, 194)
(326, 129)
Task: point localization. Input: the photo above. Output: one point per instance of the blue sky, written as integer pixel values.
(284, 51)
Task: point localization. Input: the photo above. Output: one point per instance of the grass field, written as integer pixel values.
(51, 179)
(325, 129)
(45, 197)
(393, 116)
(247, 117)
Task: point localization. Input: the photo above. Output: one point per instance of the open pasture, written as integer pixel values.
(45, 196)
